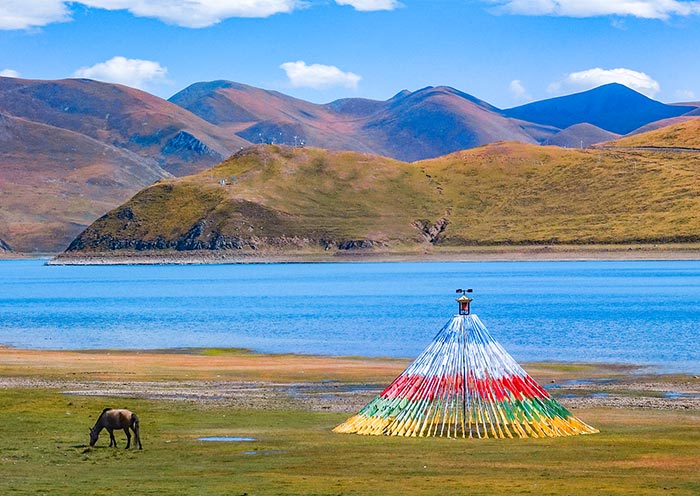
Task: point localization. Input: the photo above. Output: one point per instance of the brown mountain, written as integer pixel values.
(435, 121)
(410, 126)
(54, 182)
(116, 115)
(72, 149)
(263, 116)
(580, 136)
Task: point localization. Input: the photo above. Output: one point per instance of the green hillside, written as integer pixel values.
(284, 198)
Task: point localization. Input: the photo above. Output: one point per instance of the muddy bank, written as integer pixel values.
(240, 379)
(332, 396)
(454, 254)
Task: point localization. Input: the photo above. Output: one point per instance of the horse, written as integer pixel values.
(111, 419)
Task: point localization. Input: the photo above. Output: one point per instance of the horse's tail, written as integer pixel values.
(135, 427)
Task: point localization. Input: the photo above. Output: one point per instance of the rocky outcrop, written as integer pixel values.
(432, 232)
(4, 246)
(189, 147)
(197, 239)
(194, 239)
(126, 214)
(354, 244)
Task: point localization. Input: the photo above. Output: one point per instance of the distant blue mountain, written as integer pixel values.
(613, 107)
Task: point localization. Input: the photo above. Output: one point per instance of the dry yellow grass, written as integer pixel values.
(234, 365)
(682, 135)
(500, 194)
(192, 365)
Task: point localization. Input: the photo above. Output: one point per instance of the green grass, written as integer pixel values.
(43, 450)
(223, 351)
(500, 194)
(184, 203)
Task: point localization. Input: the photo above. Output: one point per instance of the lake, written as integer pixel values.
(643, 312)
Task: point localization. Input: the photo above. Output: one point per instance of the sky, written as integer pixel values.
(506, 52)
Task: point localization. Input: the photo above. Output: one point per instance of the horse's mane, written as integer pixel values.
(103, 412)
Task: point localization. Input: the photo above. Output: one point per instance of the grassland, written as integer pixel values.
(685, 134)
(290, 200)
(43, 436)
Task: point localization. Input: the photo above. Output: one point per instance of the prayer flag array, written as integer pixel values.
(464, 384)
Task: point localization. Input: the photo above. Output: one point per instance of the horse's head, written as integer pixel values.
(94, 434)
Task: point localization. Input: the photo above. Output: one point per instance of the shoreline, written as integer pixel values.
(239, 378)
(543, 253)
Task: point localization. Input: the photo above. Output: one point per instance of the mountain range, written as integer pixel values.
(72, 149)
(409, 126)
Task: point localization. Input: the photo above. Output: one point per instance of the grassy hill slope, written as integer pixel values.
(515, 193)
(285, 198)
(683, 134)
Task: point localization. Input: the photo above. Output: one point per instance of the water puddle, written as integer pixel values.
(676, 395)
(227, 439)
(579, 382)
(264, 452)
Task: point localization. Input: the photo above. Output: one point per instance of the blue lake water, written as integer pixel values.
(635, 312)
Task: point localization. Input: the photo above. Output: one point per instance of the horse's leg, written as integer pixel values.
(112, 441)
(128, 437)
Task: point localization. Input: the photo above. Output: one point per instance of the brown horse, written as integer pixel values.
(116, 419)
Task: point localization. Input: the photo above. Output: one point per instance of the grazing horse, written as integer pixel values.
(111, 419)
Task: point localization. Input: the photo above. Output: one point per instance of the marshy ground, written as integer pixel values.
(648, 444)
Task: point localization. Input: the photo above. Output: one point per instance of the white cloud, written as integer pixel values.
(518, 91)
(685, 95)
(619, 23)
(130, 72)
(585, 80)
(370, 5)
(646, 9)
(23, 14)
(9, 73)
(318, 76)
(196, 13)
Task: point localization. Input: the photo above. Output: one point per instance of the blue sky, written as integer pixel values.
(506, 52)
